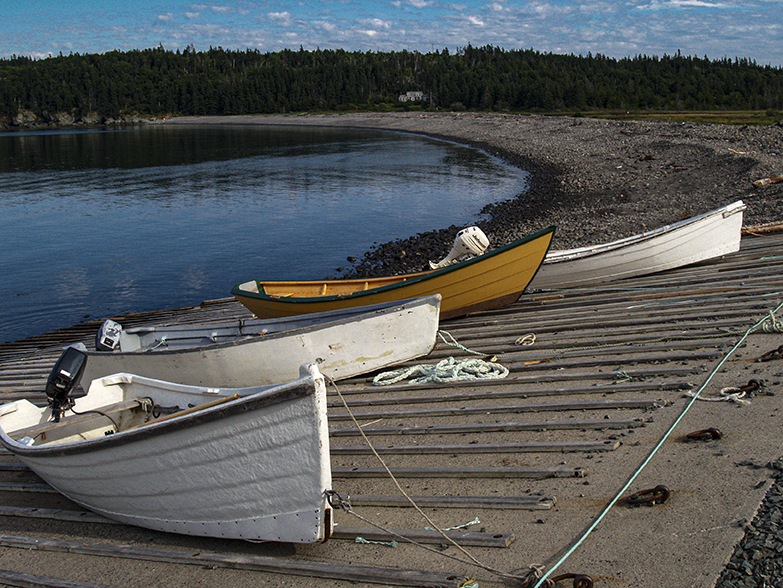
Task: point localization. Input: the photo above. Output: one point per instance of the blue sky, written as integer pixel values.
(715, 28)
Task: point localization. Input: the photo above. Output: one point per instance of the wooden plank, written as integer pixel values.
(287, 566)
(644, 403)
(27, 487)
(464, 538)
(473, 539)
(56, 514)
(511, 472)
(457, 429)
(555, 375)
(74, 419)
(466, 448)
(8, 578)
(467, 502)
(609, 388)
(13, 467)
(554, 321)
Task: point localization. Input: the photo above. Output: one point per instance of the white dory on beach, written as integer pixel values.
(689, 241)
(344, 343)
(239, 463)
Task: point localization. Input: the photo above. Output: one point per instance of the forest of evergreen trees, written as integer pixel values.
(216, 82)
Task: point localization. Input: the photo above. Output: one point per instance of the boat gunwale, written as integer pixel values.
(404, 281)
(262, 399)
(374, 311)
(565, 255)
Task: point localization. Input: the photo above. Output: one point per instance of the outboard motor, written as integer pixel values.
(469, 241)
(64, 377)
(108, 337)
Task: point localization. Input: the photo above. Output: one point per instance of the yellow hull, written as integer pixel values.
(490, 281)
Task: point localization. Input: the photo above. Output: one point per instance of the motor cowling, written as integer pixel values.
(108, 337)
(64, 377)
(468, 242)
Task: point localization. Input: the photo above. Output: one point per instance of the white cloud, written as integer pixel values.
(676, 4)
(283, 17)
(377, 23)
(715, 28)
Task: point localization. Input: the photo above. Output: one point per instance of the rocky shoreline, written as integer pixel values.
(596, 180)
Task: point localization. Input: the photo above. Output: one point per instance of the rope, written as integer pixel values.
(369, 542)
(446, 370)
(475, 521)
(528, 339)
(770, 325)
(730, 394)
(591, 528)
(453, 342)
(535, 571)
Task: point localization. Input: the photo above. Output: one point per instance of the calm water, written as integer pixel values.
(102, 222)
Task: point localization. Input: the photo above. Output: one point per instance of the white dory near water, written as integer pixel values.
(344, 343)
(239, 463)
(696, 239)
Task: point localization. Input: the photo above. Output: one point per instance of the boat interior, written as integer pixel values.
(114, 404)
(314, 288)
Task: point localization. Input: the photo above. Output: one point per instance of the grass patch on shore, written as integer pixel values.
(735, 117)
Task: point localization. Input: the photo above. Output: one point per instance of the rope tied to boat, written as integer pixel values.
(454, 343)
(524, 578)
(446, 370)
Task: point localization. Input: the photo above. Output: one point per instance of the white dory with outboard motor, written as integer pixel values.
(345, 343)
(246, 463)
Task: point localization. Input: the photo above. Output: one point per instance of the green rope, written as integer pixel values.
(475, 521)
(638, 471)
(368, 542)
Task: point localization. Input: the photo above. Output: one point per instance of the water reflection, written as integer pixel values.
(101, 222)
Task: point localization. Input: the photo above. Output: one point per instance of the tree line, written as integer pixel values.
(156, 81)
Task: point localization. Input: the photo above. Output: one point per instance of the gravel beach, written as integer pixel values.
(596, 180)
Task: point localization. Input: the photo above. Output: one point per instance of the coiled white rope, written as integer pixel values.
(770, 324)
(730, 394)
(447, 370)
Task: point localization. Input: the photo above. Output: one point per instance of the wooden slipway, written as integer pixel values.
(522, 469)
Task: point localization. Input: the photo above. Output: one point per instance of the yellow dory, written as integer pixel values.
(492, 280)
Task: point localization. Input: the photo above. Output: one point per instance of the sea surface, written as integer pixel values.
(102, 221)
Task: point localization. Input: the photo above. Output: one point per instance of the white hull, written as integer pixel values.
(690, 241)
(252, 468)
(343, 346)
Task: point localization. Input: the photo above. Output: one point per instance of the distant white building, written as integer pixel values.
(413, 97)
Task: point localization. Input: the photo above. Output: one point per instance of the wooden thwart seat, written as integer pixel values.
(110, 409)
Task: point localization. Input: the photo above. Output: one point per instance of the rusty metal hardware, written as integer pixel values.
(770, 355)
(580, 580)
(751, 386)
(657, 495)
(705, 435)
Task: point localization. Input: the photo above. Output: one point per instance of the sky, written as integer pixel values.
(715, 29)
